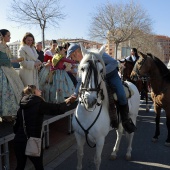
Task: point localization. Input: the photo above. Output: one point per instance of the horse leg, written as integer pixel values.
(119, 133)
(146, 99)
(142, 95)
(157, 120)
(129, 137)
(167, 142)
(129, 149)
(80, 145)
(99, 148)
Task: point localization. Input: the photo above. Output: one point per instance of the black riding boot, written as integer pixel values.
(112, 109)
(113, 116)
(127, 123)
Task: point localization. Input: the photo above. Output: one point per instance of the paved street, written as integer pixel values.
(145, 155)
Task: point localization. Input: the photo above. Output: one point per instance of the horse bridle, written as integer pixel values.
(141, 63)
(84, 86)
(124, 74)
(92, 67)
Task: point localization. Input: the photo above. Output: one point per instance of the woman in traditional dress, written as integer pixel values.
(48, 55)
(10, 83)
(30, 65)
(60, 84)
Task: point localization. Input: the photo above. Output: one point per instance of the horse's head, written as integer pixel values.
(142, 66)
(126, 67)
(92, 72)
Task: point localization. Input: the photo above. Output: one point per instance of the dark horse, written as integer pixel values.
(141, 84)
(160, 83)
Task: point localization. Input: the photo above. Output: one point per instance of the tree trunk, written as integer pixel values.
(116, 47)
(43, 37)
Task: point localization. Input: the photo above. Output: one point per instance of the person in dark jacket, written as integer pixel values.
(34, 107)
(134, 55)
(40, 53)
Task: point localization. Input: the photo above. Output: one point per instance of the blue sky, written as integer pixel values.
(76, 23)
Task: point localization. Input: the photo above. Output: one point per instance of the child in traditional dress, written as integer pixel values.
(43, 74)
(60, 84)
(49, 53)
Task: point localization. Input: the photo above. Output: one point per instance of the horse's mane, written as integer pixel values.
(162, 68)
(88, 57)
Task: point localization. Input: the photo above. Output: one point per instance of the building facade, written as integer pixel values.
(164, 43)
(14, 47)
(123, 50)
(86, 43)
(110, 49)
(161, 50)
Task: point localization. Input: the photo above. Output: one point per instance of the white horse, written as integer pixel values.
(91, 120)
(92, 111)
(133, 102)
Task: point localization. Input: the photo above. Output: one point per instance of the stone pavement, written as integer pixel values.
(58, 160)
(67, 153)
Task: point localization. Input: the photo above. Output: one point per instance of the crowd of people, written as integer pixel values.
(46, 78)
(40, 88)
(46, 69)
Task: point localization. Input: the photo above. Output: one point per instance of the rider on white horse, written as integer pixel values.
(113, 80)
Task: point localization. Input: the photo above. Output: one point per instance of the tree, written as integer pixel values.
(147, 44)
(118, 23)
(36, 12)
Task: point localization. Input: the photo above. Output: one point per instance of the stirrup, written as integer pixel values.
(129, 126)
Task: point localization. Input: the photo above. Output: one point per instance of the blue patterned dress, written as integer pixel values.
(55, 83)
(11, 85)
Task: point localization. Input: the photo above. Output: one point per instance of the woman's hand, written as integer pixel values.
(71, 99)
(20, 59)
(47, 64)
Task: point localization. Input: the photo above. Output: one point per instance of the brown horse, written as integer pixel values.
(160, 83)
(141, 83)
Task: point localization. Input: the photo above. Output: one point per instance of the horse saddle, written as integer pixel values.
(128, 91)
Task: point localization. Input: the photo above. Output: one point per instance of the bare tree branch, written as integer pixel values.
(147, 44)
(36, 12)
(117, 22)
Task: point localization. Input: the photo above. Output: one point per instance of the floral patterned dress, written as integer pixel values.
(43, 76)
(57, 85)
(11, 85)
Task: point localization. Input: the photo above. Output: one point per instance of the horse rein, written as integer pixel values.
(92, 68)
(86, 131)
